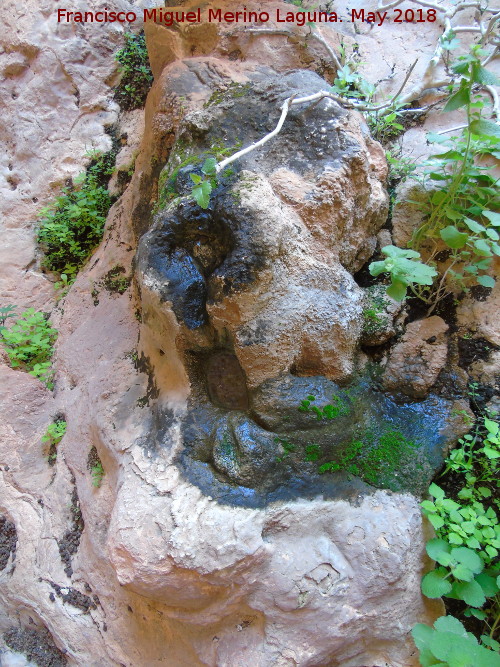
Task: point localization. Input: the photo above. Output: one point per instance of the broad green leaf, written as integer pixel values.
(436, 548)
(201, 194)
(470, 592)
(209, 166)
(491, 426)
(397, 290)
(462, 572)
(455, 650)
(376, 268)
(485, 127)
(434, 584)
(459, 99)
(485, 77)
(450, 624)
(493, 217)
(469, 558)
(486, 281)
(491, 453)
(435, 491)
(196, 178)
(482, 248)
(488, 584)
(474, 226)
(453, 238)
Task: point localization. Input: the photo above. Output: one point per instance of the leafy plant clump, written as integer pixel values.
(466, 551)
(97, 474)
(29, 345)
(94, 465)
(72, 226)
(136, 77)
(52, 437)
(404, 269)
(448, 644)
(462, 212)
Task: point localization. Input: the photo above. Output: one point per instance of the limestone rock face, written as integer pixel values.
(165, 562)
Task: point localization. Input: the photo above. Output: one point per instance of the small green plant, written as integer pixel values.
(349, 83)
(448, 644)
(287, 446)
(405, 270)
(399, 167)
(115, 281)
(337, 408)
(379, 459)
(203, 185)
(72, 226)
(97, 473)
(385, 126)
(5, 313)
(136, 75)
(52, 437)
(29, 344)
(312, 452)
(462, 212)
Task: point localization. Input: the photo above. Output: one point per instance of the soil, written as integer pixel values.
(70, 541)
(37, 645)
(8, 541)
(473, 349)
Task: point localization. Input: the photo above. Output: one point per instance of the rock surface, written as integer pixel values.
(417, 359)
(148, 568)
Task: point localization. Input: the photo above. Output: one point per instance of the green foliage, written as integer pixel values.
(466, 551)
(350, 84)
(337, 408)
(287, 446)
(404, 269)
(55, 432)
(312, 452)
(97, 472)
(72, 226)
(52, 437)
(5, 313)
(29, 344)
(385, 126)
(463, 211)
(203, 185)
(378, 458)
(136, 73)
(399, 167)
(448, 644)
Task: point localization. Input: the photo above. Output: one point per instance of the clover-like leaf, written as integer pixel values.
(435, 584)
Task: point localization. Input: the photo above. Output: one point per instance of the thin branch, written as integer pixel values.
(452, 129)
(496, 101)
(286, 105)
(318, 37)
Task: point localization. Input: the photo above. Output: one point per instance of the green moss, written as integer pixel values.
(382, 460)
(182, 155)
(115, 281)
(337, 408)
(234, 90)
(375, 318)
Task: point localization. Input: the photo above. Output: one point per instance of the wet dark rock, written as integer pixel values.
(8, 541)
(226, 381)
(264, 454)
